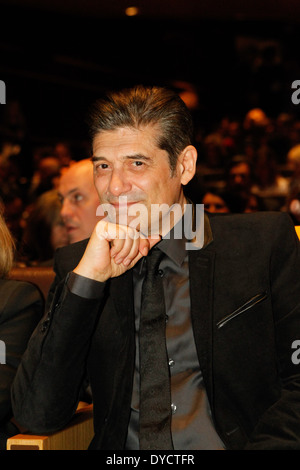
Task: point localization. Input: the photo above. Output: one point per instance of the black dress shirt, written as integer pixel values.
(192, 426)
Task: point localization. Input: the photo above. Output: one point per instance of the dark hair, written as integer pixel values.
(44, 214)
(142, 106)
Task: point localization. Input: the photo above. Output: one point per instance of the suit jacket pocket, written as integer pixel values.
(243, 308)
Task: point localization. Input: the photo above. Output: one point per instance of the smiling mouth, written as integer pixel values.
(70, 228)
(123, 205)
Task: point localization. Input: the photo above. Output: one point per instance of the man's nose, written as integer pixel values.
(66, 209)
(119, 184)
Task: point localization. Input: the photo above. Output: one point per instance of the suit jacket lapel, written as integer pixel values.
(201, 270)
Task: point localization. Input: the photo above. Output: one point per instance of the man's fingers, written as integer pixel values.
(108, 231)
(127, 245)
(123, 241)
(129, 249)
(133, 253)
(139, 248)
(143, 248)
(147, 243)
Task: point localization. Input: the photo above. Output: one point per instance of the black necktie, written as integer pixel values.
(155, 394)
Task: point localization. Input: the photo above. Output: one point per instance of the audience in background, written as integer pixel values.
(13, 206)
(44, 230)
(45, 177)
(253, 204)
(268, 180)
(21, 308)
(215, 201)
(293, 163)
(292, 205)
(269, 184)
(254, 159)
(239, 176)
(63, 152)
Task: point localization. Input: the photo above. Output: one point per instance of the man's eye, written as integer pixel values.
(138, 163)
(78, 197)
(101, 166)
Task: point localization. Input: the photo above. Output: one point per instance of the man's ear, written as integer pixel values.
(187, 163)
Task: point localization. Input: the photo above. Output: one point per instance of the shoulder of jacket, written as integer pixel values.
(262, 218)
(67, 257)
(17, 295)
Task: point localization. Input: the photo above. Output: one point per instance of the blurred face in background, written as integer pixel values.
(79, 200)
(214, 203)
(240, 177)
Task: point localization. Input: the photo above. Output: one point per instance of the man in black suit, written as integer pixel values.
(231, 305)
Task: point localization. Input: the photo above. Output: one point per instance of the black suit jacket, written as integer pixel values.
(245, 291)
(21, 308)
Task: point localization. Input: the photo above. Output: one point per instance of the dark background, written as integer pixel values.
(56, 57)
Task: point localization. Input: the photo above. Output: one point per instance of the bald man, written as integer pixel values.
(79, 200)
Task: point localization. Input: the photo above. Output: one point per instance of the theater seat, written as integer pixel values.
(40, 276)
(77, 435)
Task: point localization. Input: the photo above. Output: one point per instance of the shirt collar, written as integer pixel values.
(175, 248)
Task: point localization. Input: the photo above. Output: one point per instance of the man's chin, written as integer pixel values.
(77, 238)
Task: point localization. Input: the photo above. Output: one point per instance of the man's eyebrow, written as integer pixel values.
(138, 156)
(68, 193)
(135, 156)
(96, 159)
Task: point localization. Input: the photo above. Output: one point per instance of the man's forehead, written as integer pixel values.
(127, 136)
(76, 171)
(77, 179)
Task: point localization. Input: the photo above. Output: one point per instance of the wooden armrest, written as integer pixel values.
(77, 435)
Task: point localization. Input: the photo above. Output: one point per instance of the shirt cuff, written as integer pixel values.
(84, 287)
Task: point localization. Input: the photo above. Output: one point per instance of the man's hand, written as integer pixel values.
(112, 250)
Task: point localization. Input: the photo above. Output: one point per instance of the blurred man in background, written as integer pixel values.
(79, 200)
